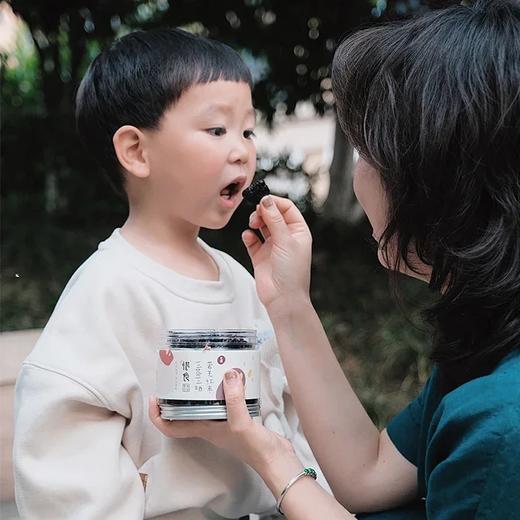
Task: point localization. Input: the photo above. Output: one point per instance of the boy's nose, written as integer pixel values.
(239, 153)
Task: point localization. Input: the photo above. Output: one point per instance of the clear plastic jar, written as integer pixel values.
(191, 368)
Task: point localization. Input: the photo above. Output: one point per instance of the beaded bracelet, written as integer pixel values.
(307, 472)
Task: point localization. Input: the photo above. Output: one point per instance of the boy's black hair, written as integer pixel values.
(138, 77)
(434, 105)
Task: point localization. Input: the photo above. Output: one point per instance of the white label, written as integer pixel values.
(197, 374)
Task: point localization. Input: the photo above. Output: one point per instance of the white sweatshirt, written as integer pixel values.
(83, 441)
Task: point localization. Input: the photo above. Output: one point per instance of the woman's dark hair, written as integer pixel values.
(434, 105)
(138, 77)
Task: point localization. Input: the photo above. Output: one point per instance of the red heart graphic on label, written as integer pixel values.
(166, 356)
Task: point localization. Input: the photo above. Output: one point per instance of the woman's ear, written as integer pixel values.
(129, 145)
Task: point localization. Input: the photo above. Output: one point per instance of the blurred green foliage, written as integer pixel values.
(56, 206)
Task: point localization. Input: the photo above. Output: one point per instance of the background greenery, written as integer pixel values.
(56, 206)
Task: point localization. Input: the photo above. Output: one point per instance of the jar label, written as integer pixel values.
(188, 374)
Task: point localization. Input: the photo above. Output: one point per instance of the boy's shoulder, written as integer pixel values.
(105, 270)
(104, 266)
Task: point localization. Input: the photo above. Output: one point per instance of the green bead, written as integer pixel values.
(311, 473)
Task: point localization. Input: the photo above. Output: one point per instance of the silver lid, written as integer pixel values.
(211, 412)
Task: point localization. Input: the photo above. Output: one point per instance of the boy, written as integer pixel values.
(169, 116)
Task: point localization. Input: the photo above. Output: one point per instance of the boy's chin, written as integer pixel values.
(215, 225)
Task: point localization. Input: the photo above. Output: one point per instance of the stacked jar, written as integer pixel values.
(191, 368)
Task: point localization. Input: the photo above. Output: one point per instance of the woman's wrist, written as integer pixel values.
(277, 473)
(283, 310)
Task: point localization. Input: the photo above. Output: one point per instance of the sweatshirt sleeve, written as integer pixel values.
(65, 464)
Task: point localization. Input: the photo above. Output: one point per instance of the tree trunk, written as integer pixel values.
(341, 203)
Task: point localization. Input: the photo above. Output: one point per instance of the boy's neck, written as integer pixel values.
(172, 244)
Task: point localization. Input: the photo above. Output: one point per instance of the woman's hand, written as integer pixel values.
(282, 263)
(265, 451)
(270, 454)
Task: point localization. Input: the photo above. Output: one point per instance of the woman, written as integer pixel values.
(433, 107)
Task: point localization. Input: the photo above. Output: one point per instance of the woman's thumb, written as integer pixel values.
(273, 219)
(237, 413)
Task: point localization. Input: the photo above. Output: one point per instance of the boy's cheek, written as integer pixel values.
(252, 165)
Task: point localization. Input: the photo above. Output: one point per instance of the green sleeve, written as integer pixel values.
(477, 475)
(413, 511)
(404, 429)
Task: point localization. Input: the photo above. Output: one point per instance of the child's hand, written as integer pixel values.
(247, 440)
(282, 263)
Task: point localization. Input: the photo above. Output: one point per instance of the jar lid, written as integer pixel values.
(211, 338)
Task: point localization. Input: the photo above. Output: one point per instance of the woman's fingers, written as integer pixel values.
(252, 243)
(178, 429)
(291, 214)
(256, 222)
(238, 417)
(154, 412)
(274, 219)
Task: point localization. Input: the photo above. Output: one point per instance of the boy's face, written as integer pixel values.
(203, 155)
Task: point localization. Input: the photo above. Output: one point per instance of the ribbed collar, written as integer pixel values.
(202, 291)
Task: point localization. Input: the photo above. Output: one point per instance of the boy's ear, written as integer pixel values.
(129, 145)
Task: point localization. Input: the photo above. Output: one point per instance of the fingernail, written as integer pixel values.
(252, 217)
(267, 201)
(231, 376)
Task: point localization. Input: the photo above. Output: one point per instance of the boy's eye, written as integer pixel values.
(217, 131)
(249, 133)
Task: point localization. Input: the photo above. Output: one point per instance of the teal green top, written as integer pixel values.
(466, 446)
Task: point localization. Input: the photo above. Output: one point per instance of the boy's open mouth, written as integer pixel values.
(229, 191)
(233, 188)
